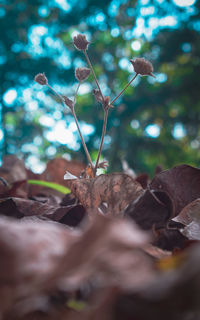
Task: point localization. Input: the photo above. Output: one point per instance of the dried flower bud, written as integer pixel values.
(97, 95)
(41, 79)
(106, 103)
(103, 165)
(68, 102)
(80, 42)
(142, 66)
(82, 73)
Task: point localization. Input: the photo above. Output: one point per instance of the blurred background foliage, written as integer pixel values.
(155, 122)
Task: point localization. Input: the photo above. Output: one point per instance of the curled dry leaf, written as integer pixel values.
(20, 208)
(190, 217)
(182, 184)
(153, 208)
(108, 194)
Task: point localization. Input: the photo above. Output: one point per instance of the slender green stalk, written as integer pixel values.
(95, 78)
(102, 138)
(128, 84)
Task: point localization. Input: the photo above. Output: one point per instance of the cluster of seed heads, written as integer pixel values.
(141, 67)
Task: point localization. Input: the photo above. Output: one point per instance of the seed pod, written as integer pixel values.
(103, 165)
(97, 95)
(68, 102)
(41, 79)
(82, 73)
(80, 42)
(143, 67)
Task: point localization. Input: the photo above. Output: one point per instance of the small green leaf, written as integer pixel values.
(77, 305)
(51, 185)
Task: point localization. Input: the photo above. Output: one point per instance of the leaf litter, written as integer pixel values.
(116, 247)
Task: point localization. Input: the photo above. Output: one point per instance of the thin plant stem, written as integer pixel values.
(76, 120)
(55, 92)
(102, 138)
(128, 84)
(75, 96)
(95, 78)
(82, 140)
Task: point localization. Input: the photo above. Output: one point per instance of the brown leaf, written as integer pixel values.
(110, 252)
(13, 169)
(182, 184)
(14, 172)
(30, 254)
(153, 208)
(40, 258)
(108, 194)
(54, 172)
(19, 208)
(190, 217)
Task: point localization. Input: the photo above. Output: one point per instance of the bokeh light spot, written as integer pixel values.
(184, 3)
(153, 130)
(136, 45)
(9, 96)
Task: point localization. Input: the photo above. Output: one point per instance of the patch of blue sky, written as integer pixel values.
(10, 96)
(51, 151)
(153, 130)
(146, 11)
(136, 45)
(108, 60)
(114, 7)
(43, 11)
(64, 60)
(115, 32)
(179, 131)
(78, 63)
(184, 3)
(128, 35)
(32, 106)
(29, 147)
(1, 135)
(61, 134)
(37, 141)
(27, 94)
(57, 115)
(63, 4)
(124, 63)
(98, 19)
(159, 77)
(47, 120)
(85, 88)
(144, 2)
(140, 27)
(168, 21)
(35, 164)
(134, 124)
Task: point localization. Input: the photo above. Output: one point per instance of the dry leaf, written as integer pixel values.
(108, 194)
(190, 217)
(181, 183)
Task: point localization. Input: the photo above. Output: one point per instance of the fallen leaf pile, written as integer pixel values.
(117, 247)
